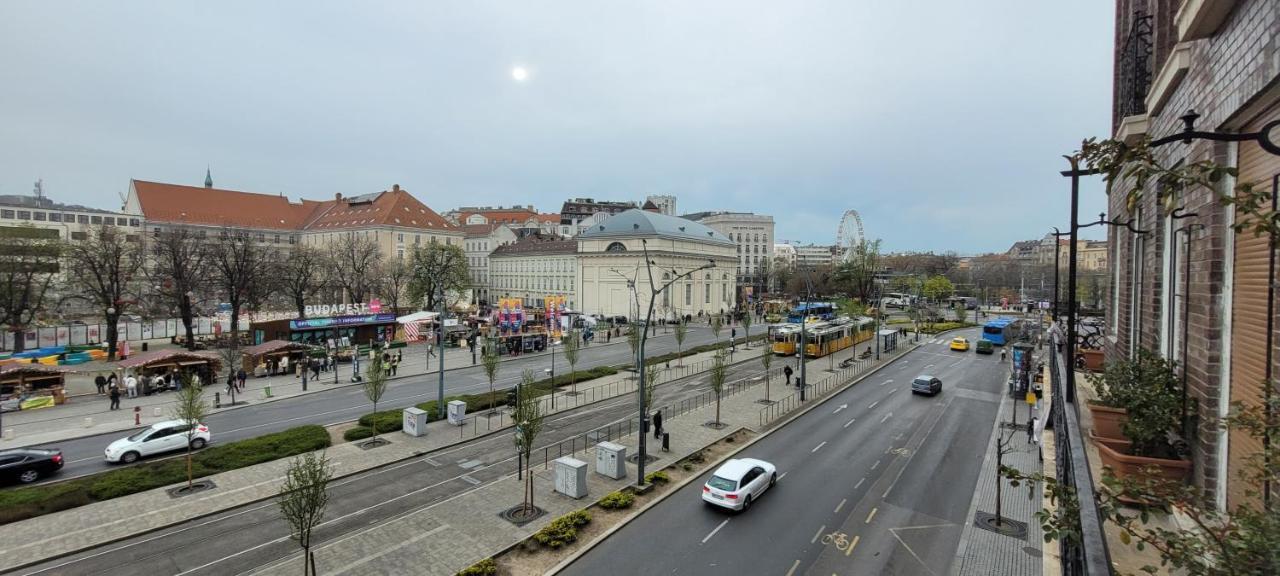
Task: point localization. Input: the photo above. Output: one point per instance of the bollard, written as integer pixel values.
(666, 441)
(266, 391)
(88, 422)
(217, 399)
(157, 413)
(137, 415)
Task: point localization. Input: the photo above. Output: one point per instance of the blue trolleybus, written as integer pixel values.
(1002, 330)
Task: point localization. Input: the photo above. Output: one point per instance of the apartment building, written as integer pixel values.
(753, 235)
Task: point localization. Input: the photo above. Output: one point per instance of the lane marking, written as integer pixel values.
(851, 420)
(855, 486)
(713, 532)
(842, 407)
(876, 465)
(783, 475)
(873, 405)
(886, 382)
(841, 505)
(793, 568)
(927, 366)
(814, 540)
(871, 515)
(848, 551)
(886, 417)
(816, 448)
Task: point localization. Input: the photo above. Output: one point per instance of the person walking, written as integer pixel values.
(131, 385)
(101, 382)
(315, 368)
(115, 397)
(240, 378)
(733, 339)
(786, 371)
(157, 383)
(657, 425)
(395, 364)
(284, 364)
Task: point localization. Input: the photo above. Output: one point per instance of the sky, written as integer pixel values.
(942, 123)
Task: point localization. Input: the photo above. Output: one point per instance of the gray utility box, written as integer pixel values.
(611, 460)
(571, 477)
(457, 412)
(415, 422)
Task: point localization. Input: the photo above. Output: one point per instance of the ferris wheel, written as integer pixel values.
(849, 235)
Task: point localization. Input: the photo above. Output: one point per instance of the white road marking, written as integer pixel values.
(886, 382)
(855, 486)
(841, 505)
(713, 532)
(876, 465)
(846, 424)
(873, 405)
(819, 533)
(782, 475)
(842, 407)
(793, 568)
(818, 447)
(871, 515)
(886, 417)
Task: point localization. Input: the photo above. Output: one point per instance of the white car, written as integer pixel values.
(157, 438)
(739, 481)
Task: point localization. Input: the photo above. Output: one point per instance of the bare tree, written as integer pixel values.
(191, 409)
(717, 325)
(528, 417)
(651, 372)
(718, 374)
(436, 271)
(374, 386)
(489, 357)
(393, 284)
(766, 359)
(302, 500)
(681, 331)
(178, 263)
(571, 346)
(28, 264)
(241, 269)
(353, 259)
(746, 327)
(106, 267)
(301, 276)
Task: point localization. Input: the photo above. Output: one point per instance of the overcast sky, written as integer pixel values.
(942, 122)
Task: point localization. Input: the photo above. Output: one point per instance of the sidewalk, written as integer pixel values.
(87, 414)
(100, 523)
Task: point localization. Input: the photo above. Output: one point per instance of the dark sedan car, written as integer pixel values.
(27, 465)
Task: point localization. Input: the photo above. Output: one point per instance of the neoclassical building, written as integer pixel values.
(611, 255)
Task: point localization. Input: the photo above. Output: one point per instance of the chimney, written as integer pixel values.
(337, 196)
(395, 187)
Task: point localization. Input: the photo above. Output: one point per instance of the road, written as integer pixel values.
(338, 404)
(249, 536)
(893, 472)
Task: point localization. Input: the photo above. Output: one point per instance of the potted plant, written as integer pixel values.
(1147, 388)
(1116, 390)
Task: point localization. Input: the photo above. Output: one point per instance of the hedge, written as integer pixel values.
(562, 530)
(617, 500)
(22, 503)
(486, 567)
(357, 433)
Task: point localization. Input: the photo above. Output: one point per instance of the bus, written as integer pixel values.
(821, 338)
(810, 310)
(968, 302)
(896, 300)
(1001, 331)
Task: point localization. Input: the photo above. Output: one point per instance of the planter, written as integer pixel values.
(1093, 359)
(1139, 468)
(1119, 445)
(1108, 422)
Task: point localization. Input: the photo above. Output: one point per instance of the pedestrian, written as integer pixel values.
(657, 425)
(315, 368)
(786, 371)
(608, 336)
(231, 383)
(111, 379)
(101, 382)
(241, 377)
(157, 383)
(131, 385)
(395, 364)
(399, 356)
(115, 397)
(284, 364)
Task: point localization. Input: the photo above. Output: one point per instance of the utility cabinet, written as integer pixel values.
(571, 477)
(415, 422)
(457, 412)
(611, 460)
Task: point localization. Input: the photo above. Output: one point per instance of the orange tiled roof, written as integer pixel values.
(217, 207)
(549, 218)
(501, 216)
(395, 207)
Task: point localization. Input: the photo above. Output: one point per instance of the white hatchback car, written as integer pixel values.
(157, 438)
(739, 481)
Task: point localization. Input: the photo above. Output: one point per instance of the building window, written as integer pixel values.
(55, 217)
(276, 240)
(688, 294)
(82, 219)
(400, 237)
(24, 215)
(96, 219)
(134, 222)
(39, 216)
(616, 247)
(6, 214)
(78, 235)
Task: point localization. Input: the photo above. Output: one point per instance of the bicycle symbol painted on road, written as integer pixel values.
(840, 539)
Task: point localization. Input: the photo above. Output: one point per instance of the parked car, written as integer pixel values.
(736, 483)
(925, 384)
(984, 346)
(960, 344)
(27, 465)
(158, 438)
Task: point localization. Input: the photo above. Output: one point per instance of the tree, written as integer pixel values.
(353, 259)
(302, 500)
(857, 276)
(489, 358)
(766, 358)
(746, 328)
(191, 409)
(937, 288)
(651, 372)
(717, 325)
(230, 358)
(962, 313)
(436, 271)
(633, 340)
(179, 256)
(29, 260)
(243, 271)
(107, 267)
(374, 386)
(528, 417)
(302, 276)
(394, 281)
(571, 346)
(681, 330)
(718, 373)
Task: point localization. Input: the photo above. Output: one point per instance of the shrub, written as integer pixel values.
(23, 503)
(357, 433)
(486, 567)
(658, 477)
(617, 500)
(562, 530)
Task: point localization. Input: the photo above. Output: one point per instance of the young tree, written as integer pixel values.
(633, 340)
(105, 268)
(717, 325)
(718, 373)
(962, 313)
(857, 276)
(652, 371)
(29, 260)
(374, 386)
(191, 409)
(436, 271)
(528, 417)
(937, 288)
(353, 259)
(302, 276)
(243, 271)
(489, 357)
(394, 281)
(571, 345)
(746, 328)
(179, 259)
(302, 500)
(681, 330)
(766, 359)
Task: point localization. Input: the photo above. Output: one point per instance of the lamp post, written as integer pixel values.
(1057, 266)
(808, 295)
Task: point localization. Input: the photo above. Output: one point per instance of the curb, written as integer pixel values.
(676, 488)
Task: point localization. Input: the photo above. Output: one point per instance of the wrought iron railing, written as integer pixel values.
(1135, 68)
(1088, 555)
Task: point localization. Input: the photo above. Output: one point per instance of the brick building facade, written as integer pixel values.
(1189, 287)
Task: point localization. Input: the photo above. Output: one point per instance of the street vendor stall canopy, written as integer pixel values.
(276, 347)
(15, 373)
(162, 358)
(418, 317)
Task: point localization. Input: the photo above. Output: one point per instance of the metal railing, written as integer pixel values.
(1135, 68)
(1089, 556)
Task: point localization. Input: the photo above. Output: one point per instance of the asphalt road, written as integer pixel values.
(892, 472)
(342, 403)
(249, 536)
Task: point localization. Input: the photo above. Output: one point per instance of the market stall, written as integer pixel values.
(174, 363)
(328, 331)
(268, 357)
(30, 386)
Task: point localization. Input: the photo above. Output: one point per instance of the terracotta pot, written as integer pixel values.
(1121, 445)
(1138, 467)
(1108, 422)
(1093, 359)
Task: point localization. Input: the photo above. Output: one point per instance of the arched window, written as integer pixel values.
(706, 292)
(666, 294)
(616, 247)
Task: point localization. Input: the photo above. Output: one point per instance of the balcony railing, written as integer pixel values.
(1135, 68)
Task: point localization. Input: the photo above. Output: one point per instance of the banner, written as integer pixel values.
(310, 323)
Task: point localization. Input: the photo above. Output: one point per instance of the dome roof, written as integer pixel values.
(635, 222)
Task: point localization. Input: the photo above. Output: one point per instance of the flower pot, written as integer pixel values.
(1108, 422)
(1093, 359)
(1139, 467)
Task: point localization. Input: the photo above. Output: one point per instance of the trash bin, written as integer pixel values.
(144, 346)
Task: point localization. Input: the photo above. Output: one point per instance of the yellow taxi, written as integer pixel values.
(961, 344)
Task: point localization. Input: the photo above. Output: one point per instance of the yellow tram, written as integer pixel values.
(821, 338)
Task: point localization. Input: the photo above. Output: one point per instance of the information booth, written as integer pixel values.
(361, 329)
